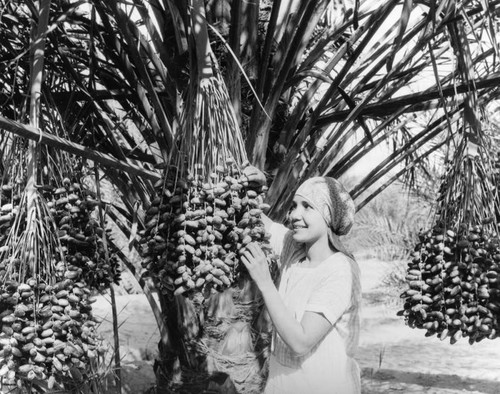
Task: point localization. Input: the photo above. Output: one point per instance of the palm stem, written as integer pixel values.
(77, 149)
(116, 332)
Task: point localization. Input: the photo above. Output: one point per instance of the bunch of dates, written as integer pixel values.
(453, 283)
(195, 229)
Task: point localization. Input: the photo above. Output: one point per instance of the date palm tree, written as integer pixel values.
(314, 87)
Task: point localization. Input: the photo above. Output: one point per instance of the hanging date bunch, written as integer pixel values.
(453, 276)
(73, 210)
(204, 210)
(47, 330)
(48, 338)
(48, 333)
(195, 229)
(79, 232)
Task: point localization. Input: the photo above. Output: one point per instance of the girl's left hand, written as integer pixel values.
(255, 260)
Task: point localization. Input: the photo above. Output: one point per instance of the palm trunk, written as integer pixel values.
(214, 347)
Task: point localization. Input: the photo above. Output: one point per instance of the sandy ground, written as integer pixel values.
(393, 357)
(397, 359)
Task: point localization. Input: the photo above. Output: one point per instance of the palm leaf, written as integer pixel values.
(403, 23)
(284, 60)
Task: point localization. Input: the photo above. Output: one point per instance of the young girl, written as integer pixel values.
(315, 310)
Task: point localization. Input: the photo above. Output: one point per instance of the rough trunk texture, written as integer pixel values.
(219, 344)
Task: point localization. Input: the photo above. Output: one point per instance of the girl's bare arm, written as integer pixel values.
(299, 336)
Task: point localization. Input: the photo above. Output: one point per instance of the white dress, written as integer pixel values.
(333, 289)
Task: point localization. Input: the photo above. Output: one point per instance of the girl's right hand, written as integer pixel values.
(254, 176)
(255, 261)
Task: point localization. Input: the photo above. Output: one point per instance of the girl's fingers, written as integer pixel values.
(252, 253)
(248, 251)
(254, 248)
(246, 254)
(257, 252)
(245, 261)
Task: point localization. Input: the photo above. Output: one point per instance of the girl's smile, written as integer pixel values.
(307, 223)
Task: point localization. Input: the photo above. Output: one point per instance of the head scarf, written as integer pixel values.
(329, 197)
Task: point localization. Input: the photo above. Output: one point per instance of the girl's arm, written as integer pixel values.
(299, 336)
(266, 221)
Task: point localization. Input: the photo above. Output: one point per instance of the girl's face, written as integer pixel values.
(307, 223)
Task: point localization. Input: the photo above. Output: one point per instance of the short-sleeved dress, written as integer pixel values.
(333, 289)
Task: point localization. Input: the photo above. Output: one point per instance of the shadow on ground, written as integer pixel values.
(426, 380)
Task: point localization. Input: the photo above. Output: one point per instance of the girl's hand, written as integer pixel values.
(255, 260)
(254, 176)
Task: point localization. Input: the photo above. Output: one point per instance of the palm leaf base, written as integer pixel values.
(220, 344)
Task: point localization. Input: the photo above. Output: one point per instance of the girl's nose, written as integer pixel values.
(294, 214)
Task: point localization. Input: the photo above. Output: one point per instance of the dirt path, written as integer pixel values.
(397, 359)
(393, 357)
